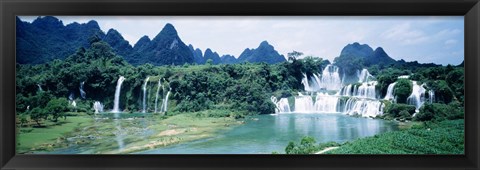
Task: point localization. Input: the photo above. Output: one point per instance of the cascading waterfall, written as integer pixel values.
(390, 88)
(363, 107)
(98, 107)
(116, 102)
(330, 78)
(366, 90)
(165, 101)
(352, 99)
(282, 105)
(39, 87)
(431, 96)
(304, 104)
(145, 95)
(71, 96)
(156, 94)
(326, 103)
(82, 92)
(364, 76)
(417, 98)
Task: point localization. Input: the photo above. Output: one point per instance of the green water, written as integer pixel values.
(267, 133)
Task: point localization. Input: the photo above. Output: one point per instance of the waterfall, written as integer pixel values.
(71, 96)
(366, 90)
(346, 90)
(431, 96)
(165, 101)
(326, 103)
(304, 104)
(156, 94)
(145, 95)
(390, 91)
(82, 92)
(282, 105)
(116, 102)
(39, 87)
(98, 107)
(418, 95)
(364, 76)
(74, 104)
(306, 84)
(363, 107)
(331, 78)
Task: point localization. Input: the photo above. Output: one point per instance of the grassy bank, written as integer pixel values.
(44, 138)
(446, 137)
(100, 135)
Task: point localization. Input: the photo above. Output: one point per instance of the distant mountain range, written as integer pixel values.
(46, 39)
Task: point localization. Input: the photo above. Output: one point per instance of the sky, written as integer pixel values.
(426, 39)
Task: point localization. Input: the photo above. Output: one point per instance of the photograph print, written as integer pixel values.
(240, 85)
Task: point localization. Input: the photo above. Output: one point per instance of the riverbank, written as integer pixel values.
(102, 135)
(446, 137)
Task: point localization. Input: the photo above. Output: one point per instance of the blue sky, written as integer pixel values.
(437, 39)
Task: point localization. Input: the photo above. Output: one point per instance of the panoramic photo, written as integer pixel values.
(240, 85)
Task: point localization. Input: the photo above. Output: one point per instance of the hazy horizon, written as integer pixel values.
(426, 39)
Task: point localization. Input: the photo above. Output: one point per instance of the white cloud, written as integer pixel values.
(405, 34)
(451, 42)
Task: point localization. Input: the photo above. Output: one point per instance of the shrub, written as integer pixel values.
(400, 111)
(403, 89)
(439, 112)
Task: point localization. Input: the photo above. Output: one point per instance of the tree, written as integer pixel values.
(209, 62)
(57, 107)
(403, 89)
(292, 56)
(37, 114)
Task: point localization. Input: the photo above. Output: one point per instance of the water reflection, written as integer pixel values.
(273, 132)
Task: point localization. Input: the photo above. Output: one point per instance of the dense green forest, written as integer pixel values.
(242, 87)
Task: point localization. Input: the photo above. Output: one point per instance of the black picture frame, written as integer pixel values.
(11, 8)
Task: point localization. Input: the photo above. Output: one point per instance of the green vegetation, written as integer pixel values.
(446, 137)
(83, 130)
(403, 89)
(307, 146)
(32, 138)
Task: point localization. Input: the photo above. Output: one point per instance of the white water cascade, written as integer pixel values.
(363, 107)
(39, 87)
(358, 99)
(417, 98)
(325, 103)
(364, 76)
(145, 95)
(431, 96)
(390, 91)
(116, 102)
(82, 92)
(304, 104)
(328, 80)
(156, 94)
(98, 107)
(365, 90)
(165, 101)
(282, 105)
(331, 78)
